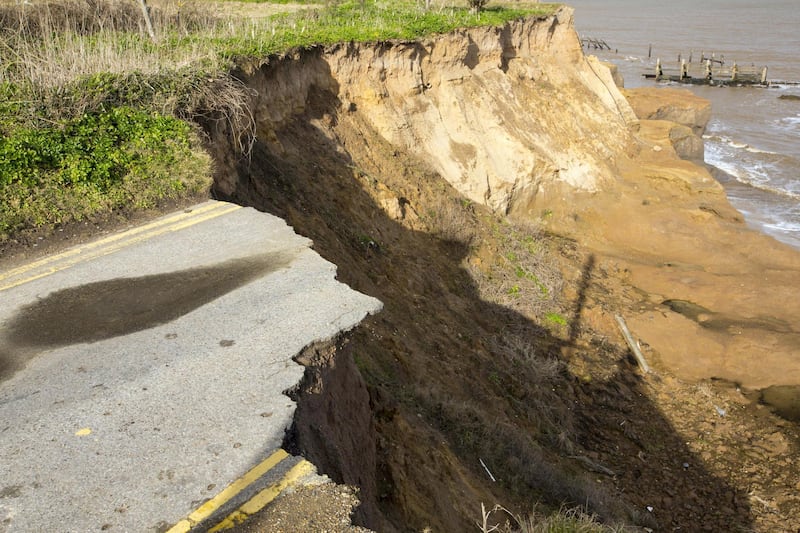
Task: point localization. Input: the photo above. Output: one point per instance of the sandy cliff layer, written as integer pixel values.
(492, 109)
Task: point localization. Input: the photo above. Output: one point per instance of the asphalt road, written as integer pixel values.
(142, 374)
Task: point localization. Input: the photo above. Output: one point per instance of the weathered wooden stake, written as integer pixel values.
(650, 51)
(684, 70)
(764, 76)
(632, 344)
(734, 71)
(147, 22)
(659, 72)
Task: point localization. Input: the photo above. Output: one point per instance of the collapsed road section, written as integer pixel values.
(143, 374)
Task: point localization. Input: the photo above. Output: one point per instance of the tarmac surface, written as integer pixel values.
(142, 375)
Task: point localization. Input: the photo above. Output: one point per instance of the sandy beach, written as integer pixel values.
(717, 299)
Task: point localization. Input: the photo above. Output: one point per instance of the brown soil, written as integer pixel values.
(447, 377)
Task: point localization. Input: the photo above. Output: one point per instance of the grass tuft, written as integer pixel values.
(521, 278)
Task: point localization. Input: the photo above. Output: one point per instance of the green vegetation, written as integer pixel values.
(556, 318)
(48, 46)
(522, 276)
(100, 162)
(89, 103)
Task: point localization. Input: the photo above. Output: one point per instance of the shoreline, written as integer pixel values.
(755, 219)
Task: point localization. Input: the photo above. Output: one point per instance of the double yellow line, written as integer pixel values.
(251, 506)
(54, 263)
(178, 221)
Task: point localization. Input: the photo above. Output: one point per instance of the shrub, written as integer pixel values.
(475, 6)
(100, 161)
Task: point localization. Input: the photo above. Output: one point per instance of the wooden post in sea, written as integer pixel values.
(659, 72)
(684, 70)
(734, 71)
(764, 76)
(708, 69)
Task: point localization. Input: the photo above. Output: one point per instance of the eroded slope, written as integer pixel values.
(398, 159)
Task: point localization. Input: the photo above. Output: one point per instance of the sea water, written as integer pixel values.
(754, 134)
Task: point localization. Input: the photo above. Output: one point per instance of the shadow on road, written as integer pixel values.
(107, 309)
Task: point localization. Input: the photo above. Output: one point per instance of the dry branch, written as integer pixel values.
(632, 344)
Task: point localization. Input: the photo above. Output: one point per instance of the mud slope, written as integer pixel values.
(426, 171)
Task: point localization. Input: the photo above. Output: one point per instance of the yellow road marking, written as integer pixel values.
(116, 242)
(111, 238)
(260, 500)
(208, 508)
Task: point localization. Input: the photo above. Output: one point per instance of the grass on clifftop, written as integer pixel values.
(86, 96)
(373, 21)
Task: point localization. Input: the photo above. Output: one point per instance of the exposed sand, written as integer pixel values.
(711, 298)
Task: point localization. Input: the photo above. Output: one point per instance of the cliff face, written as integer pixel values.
(518, 119)
(504, 114)
(373, 150)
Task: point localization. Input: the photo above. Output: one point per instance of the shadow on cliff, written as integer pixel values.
(421, 404)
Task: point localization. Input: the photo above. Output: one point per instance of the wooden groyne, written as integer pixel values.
(709, 71)
(596, 44)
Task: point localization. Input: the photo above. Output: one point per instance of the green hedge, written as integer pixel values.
(119, 158)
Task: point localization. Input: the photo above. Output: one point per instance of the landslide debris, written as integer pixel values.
(457, 369)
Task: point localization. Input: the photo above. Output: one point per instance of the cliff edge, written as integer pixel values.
(426, 170)
(493, 110)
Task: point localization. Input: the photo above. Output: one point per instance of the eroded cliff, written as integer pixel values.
(493, 110)
(401, 160)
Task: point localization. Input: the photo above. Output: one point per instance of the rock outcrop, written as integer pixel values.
(686, 114)
(676, 105)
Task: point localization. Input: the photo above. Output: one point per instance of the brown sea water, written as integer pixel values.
(754, 133)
